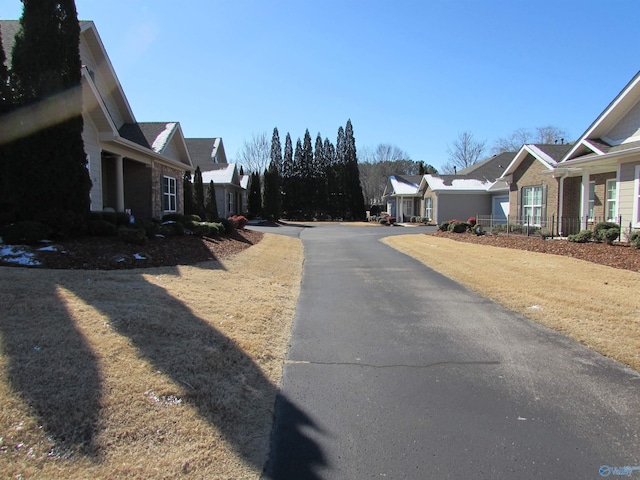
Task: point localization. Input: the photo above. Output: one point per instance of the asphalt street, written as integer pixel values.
(395, 371)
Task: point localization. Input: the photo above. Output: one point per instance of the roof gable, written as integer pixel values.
(618, 124)
(226, 175)
(402, 185)
(206, 153)
(489, 169)
(547, 154)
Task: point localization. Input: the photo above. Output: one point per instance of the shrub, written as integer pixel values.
(391, 219)
(27, 232)
(102, 228)
(472, 221)
(239, 222)
(634, 239)
(478, 230)
(193, 217)
(444, 227)
(207, 229)
(545, 233)
(383, 221)
(172, 228)
(607, 232)
(228, 225)
(458, 227)
(583, 236)
(132, 235)
(174, 217)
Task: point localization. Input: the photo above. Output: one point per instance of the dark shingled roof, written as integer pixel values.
(555, 151)
(415, 179)
(143, 133)
(488, 169)
(201, 153)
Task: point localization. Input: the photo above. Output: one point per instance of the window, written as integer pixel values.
(532, 205)
(428, 208)
(612, 200)
(592, 199)
(230, 203)
(169, 194)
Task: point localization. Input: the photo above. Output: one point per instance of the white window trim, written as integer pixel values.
(168, 194)
(614, 200)
(428, 208)
(636, 198)
(533, 205)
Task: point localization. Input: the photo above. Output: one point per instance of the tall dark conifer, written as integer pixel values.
(339, 172)
(271, 200)
(46, 68)
(320, 175)
(255, 196)
(355, 209)
(287, 177)
(187, 189)
(330, 173)
(211, 203)
(198, 194)
(6, 103)
(308, 187)
(297, 193)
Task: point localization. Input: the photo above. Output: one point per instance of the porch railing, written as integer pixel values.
(552, 226)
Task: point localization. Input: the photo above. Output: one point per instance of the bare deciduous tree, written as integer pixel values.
(463, 152)
(516, 139)
(255, 154)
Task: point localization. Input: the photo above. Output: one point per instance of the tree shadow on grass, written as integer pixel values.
(53, 368)
(225, 385)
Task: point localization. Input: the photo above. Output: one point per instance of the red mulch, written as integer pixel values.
(618, 255)
(111, 253)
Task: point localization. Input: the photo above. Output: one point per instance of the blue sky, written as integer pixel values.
(414, 74)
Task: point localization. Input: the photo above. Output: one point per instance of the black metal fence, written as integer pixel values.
(552, 226)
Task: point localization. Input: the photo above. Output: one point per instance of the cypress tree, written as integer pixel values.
(320, 174)
(255, 196)
(287, 177)
(46, 68)
(212, 205)
(187, 189)
(297, 200)
(329, 152)
(308, 179)
(198, 194)
(6, 103)
(272, 181)
(355, 209)
(339, 172)
(276, 151)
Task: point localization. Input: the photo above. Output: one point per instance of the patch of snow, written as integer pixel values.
(49, 248)
(137, 256)
(161, 140)
(12, 254)
(535, 307)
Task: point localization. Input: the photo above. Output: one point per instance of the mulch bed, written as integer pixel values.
(618, 255)
(111, 253)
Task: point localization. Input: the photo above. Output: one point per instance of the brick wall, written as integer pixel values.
(530, 174)
(158, 171)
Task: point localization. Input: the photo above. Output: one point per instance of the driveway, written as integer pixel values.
(394, 371)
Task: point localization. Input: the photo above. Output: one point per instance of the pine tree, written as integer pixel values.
(212, 205)
(187, 189)
(320, 175)
(287, 177)
(339, 173)
(330, 173)
(6, 104)
(307, 181)
(255, 196)
(272, 202)
(46, 67)
(297, 195)
(355, 209)
(198, 194)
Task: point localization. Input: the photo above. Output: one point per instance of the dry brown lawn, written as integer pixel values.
(597, 305)
(156, 373)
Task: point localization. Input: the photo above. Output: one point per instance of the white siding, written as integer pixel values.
(92, 149)
(626, 192)
(171, 151)
(628, 127)
(104, 87)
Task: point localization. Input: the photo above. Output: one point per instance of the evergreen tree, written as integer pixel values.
(355, 209)
(198, 194)
(329, 152)
(287, 177)
(187, 189)
(297, 200)
(271, 199)
(320, 174)
(255, 196)
(308, 180)
(339, 174)
(6, 103)
(46, 67)
(276, 151)
(212, 204)
(272, 180)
